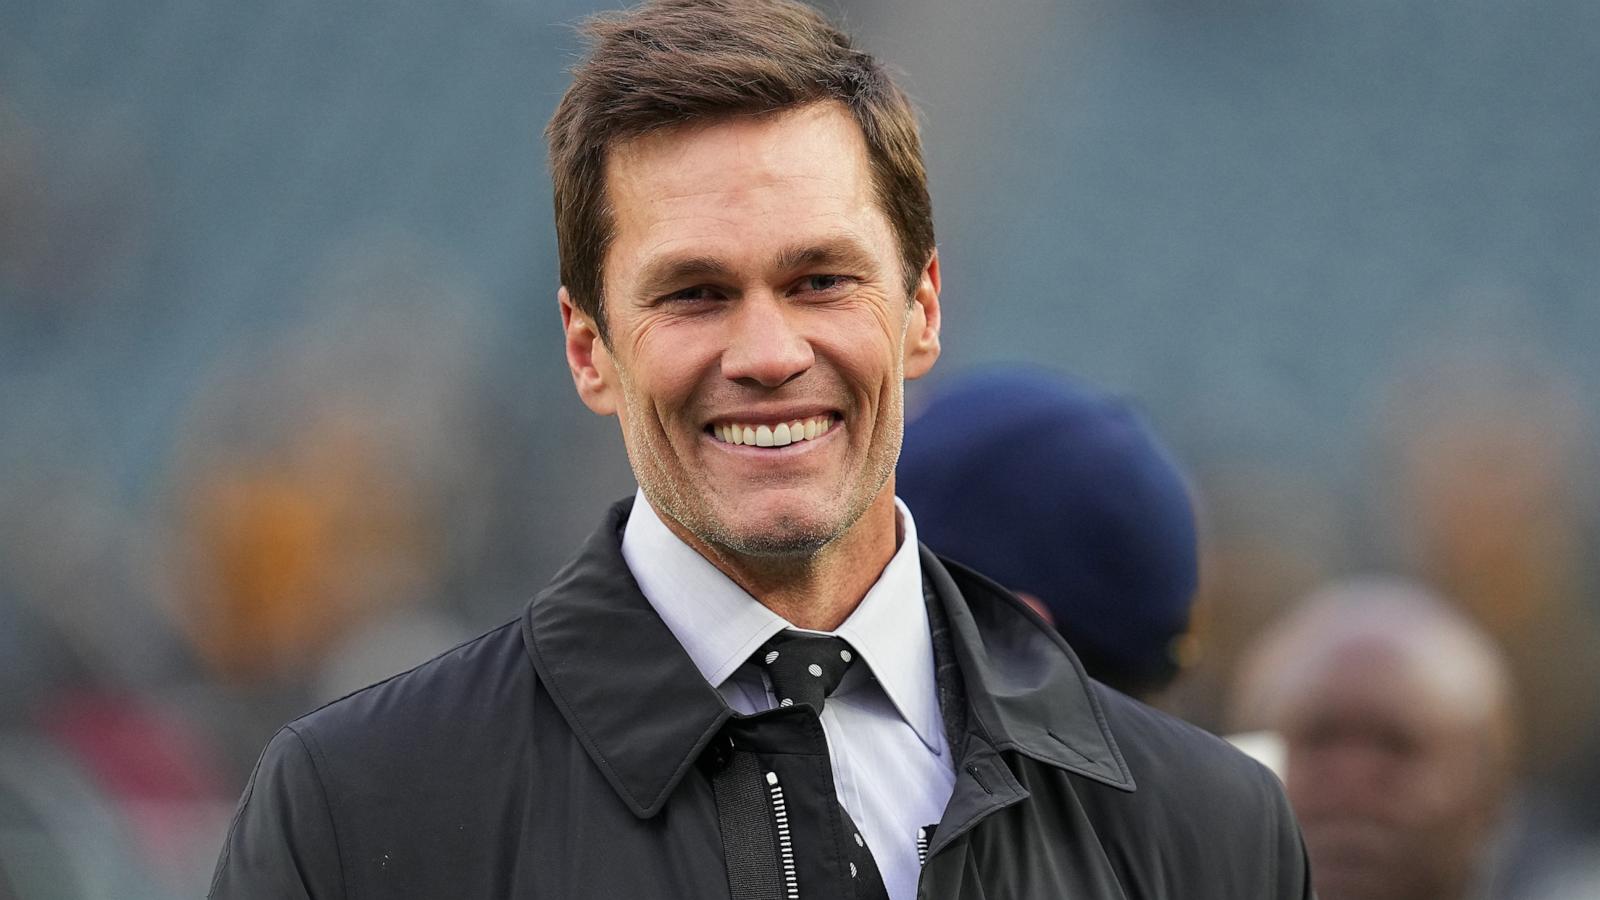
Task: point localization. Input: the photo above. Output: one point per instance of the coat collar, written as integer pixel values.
(1025, 689)
(644, 713)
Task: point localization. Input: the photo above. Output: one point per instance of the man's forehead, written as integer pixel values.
(1380, 684)
(773, 144)
(796, 183)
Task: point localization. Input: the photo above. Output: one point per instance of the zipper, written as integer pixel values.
(922, 846)
(780, 814)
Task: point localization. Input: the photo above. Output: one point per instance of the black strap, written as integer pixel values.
(749, 839)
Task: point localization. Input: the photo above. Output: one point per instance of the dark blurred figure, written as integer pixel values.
(1395, 714)
(1062, 493)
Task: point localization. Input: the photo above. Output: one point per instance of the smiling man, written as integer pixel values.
(759, 328)
(752, 681)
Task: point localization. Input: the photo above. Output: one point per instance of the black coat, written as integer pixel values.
(563, 755)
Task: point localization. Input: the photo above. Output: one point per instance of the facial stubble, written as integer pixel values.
(787, 540)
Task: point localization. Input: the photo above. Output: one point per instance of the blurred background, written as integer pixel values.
(283, 407)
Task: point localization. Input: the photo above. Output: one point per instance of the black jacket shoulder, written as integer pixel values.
(1197, 793)
(312, 812)
(1173, 809)
(430, 707)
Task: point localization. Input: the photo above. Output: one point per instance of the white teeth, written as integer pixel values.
(779, 435)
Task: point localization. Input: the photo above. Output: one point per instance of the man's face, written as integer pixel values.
(1394, 786)
(755, 297)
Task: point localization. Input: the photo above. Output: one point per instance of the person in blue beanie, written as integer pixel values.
(1062, 493)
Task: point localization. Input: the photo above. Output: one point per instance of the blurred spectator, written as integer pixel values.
(1486, 488)
(1064, 494)
(330, 481)
(1395, 712)
(59, 836)
(126, 788)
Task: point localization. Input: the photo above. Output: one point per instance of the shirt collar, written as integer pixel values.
(720, 625)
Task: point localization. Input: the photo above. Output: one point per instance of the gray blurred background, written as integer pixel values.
(283, 406)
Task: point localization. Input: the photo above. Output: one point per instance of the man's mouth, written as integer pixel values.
(771, 434)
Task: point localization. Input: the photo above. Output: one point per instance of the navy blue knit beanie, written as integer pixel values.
(1059, 490)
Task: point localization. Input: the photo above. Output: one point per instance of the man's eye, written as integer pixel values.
(823, 283)
(699, 292)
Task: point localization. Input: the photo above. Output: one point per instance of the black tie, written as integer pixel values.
(806, 669)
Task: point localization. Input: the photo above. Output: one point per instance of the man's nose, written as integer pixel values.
(764, 345)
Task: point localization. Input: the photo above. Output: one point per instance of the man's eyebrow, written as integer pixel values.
(841, 253)
(673, 272)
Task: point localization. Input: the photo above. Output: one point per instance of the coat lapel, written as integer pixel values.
(1024, 692)
(630, 693)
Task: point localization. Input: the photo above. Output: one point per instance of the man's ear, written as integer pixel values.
(587, 357)
(922, 332)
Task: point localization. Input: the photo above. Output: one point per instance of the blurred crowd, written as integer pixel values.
(1435, 729)
(282, 411)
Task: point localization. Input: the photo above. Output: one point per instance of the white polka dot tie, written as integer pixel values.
(805, 668)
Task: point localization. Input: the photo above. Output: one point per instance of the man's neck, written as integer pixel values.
(818, 591)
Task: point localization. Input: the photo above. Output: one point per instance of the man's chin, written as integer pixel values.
(762, 524)
(784, 538)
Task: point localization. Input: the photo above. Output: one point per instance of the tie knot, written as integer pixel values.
(804, 668)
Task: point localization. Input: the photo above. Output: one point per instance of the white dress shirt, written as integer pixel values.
(892, 766)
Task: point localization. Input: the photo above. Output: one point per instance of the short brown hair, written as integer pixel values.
(674, 62)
